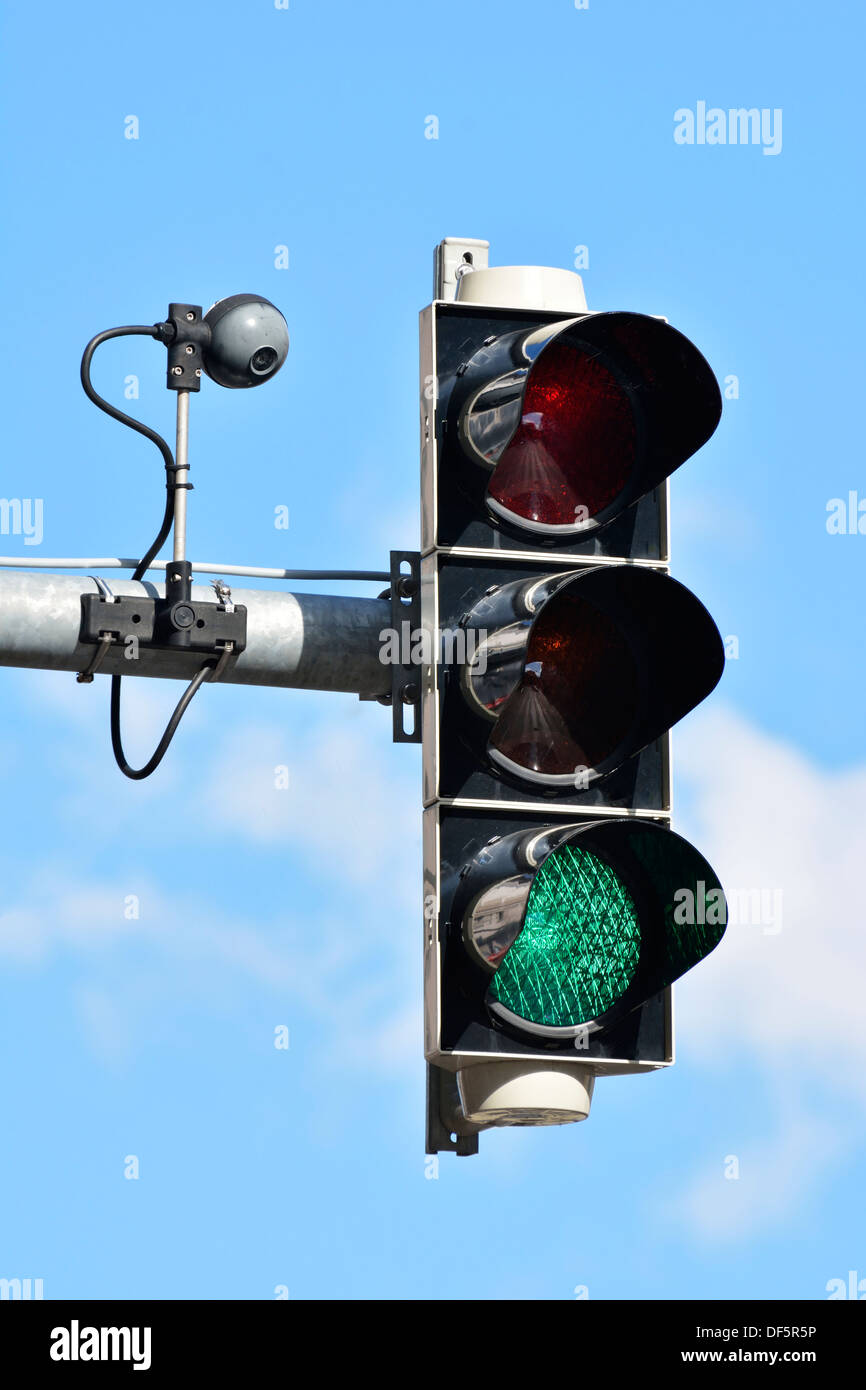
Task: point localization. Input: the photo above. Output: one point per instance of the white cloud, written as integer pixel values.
(343, 944)
(21, 935)
(784, 1006)
(775, 1175)
(360, 825)
(68, 728)
(185, 955)
(105, 1024)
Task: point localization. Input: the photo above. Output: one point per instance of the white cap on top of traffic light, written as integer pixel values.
(533, 286)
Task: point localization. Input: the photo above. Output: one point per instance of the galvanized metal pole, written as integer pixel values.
(299, 641)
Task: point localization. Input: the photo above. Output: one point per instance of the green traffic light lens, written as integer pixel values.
(583, 942)
(690, 895)
(579, 947)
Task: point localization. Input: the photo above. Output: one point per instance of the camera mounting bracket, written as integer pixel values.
(167, 623)
(186, 335)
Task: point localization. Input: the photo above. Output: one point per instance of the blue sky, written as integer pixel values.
(305, 127)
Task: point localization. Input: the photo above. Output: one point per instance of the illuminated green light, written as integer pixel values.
(695, 911)
(579, 947)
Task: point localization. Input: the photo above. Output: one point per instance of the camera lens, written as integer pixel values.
(248, 343)
(263, 361)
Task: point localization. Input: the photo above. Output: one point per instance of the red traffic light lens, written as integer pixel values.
(577, 420)
(574, 450)
(614, 658)
(577, 700)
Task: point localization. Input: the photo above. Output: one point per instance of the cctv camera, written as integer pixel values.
(249, 341)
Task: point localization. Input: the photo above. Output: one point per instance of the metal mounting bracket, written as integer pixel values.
(405, 595)
(191, 625)
(186, 335)
(453, 258)
(445, 1118)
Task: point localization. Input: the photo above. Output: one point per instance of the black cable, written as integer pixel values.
(143, 564)
(161, 537)
(131, 330)
(170, 729)
(128, 331)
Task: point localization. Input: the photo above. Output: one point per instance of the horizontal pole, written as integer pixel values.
(15, 562)
(298, 641)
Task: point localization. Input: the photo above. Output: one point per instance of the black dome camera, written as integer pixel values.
(249, 341)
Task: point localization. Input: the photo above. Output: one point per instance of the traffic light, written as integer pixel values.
(559, 905)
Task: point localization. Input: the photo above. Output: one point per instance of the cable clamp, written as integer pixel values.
(227, 651)
(172, 483)
(85, 677)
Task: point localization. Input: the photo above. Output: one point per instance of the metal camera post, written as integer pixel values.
(218, 627)
(190, 334)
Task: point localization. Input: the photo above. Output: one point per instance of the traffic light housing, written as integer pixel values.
(559, 905)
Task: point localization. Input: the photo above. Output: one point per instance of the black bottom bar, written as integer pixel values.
(161, 1338)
